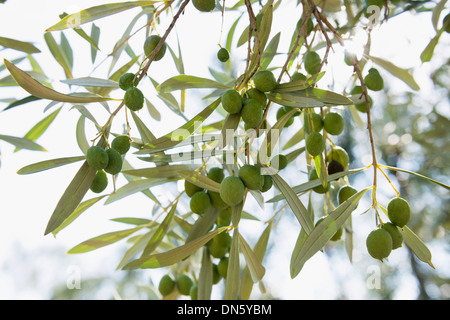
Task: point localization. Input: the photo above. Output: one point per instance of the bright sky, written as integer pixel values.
(28, 201)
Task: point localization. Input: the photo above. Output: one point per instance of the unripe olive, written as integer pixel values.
(191, 188)
(232, 101)
(223, 55)
(251, 176)
(279, 161)
(399, 212)
(379, 244)
(184, 284)
(373, 80)
(232, 190)
(150, 45)
(315, 143)
(97, 158)
(345, 192)
(114, 161)
(204, 5)
(224, 218)
(257, 95)
(222, 267)
(216, 250)
(333, 123)
(166, 285)
(320, 188)
(264, 80)
(216, 201)
(200, 202)
(396, 234)
(297, 76)
(128, 80)
(317, 123)
(268, 182)
(216, 174)
(121, 144)
(134, 99)
(193, 293)
(100, 182)
(252, 113)
(312, 62)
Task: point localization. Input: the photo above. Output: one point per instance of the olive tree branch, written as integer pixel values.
(163, 38)
(321, 18)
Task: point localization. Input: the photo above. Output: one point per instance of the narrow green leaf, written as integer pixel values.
(300, 241)
(33, 87)
(259, 250)
(80, 134)
(316, 182)
(18, 45)
(200, 180)
(205, 278)
(22, 143)
(323, 232)
(138, 245)
(257, 270)
(309, 98)
(183, 81)
(66, 49)
(87, 15)
(232, 283)
(21, 102)
(74, 193)
(58, 53)
(173, 256)
(82, 207)
(294, 203)
(131, 220)
(134, 187)
(437, 13)
(176, 136)
(71, 197)
(91, 82)
(417, 245)
(39, 128)
(270, 52)
(397, 72)
(418, 175)
(102, 240)
(160, 232)
(93, 40)
(159, 172)
(203, 224)
(263, 33)
(49, 164)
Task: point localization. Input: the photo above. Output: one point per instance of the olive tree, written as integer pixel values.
(262, 130)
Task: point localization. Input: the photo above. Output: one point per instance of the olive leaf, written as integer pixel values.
(48, 164)
(309, 245)
(18, 45)
(173, 256)
(183, 81)
(33, 87)
(76, 19)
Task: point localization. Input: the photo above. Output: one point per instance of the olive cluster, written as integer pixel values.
(107, 161)
(388, 236)
(183, 284)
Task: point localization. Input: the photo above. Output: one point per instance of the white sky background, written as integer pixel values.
(28, 201)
